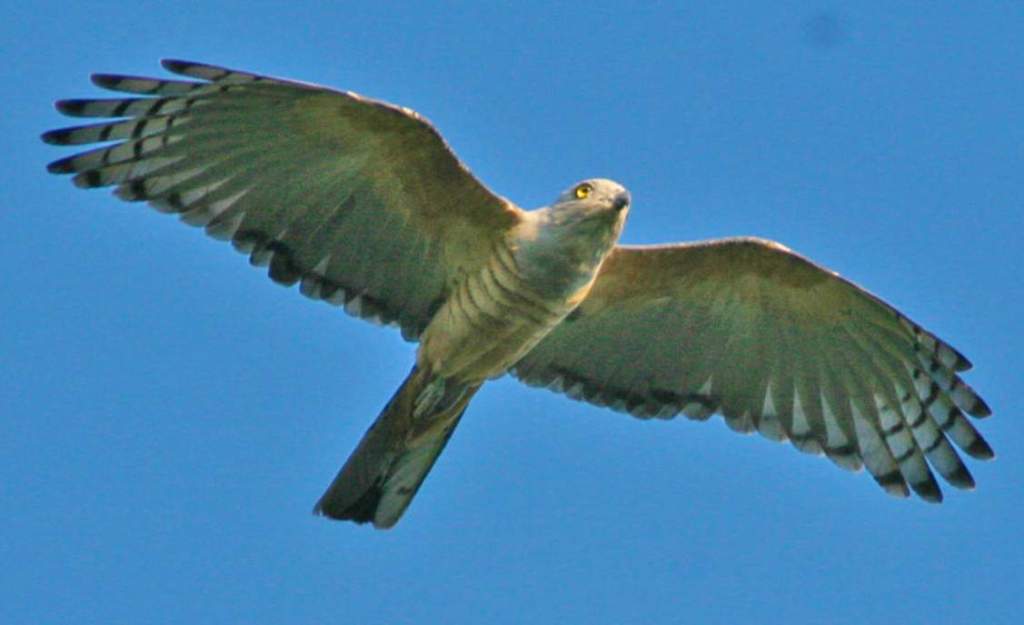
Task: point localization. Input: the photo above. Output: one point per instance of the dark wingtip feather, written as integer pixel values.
(61, 166)
(283, 269)
(173, 65)
(54, 137)
(133, 191)
(928, 490)
(202, 71)
(89, 180)
(179, 66)
(980, 409)
(893, 483)
(73, 107)
(961, 478)
(106, 81)
(980, 449)
(960, 362)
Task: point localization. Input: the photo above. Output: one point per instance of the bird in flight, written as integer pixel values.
(363, 205)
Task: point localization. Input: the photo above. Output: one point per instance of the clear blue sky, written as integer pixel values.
(168, 416)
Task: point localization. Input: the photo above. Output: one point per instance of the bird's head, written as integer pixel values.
(563, 245)
(596, 197)
(594, 205)
(584, 221)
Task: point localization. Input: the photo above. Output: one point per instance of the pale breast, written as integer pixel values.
(493, 318)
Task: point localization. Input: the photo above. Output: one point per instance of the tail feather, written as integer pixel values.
(386, 470)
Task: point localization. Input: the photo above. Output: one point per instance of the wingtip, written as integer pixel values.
(174, 64)
(103, 80)
(893, 484)
(962, 363)
(53, 137)
(980, 449)
(961, 478)
(928, 490)
(193, 69)
(981, 409)
(60, 166)
(69, 107)
(88, 179)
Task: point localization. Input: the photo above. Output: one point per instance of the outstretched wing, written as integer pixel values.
(359, 201)
(775, 343)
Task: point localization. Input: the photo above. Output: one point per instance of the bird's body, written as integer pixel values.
(533, 278)
(363, 205)
(494, 316)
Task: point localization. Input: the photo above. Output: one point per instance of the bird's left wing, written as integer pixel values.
(360, 201)
(775, 343)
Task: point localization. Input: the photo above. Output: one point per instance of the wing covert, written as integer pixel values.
(360, 202)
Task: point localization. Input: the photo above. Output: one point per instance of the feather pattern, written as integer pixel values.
(363, 205)
(360, 201)
(777, 345)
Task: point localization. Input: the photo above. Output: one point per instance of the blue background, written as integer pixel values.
(168, 416)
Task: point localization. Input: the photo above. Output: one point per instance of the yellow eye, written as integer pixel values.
(583, 191)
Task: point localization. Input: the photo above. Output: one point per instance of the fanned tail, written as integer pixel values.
(382, 475)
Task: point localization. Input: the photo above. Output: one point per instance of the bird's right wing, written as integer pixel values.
(776, 344)
(359, 201)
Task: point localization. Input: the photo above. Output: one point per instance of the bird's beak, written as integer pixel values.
(621, 201)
